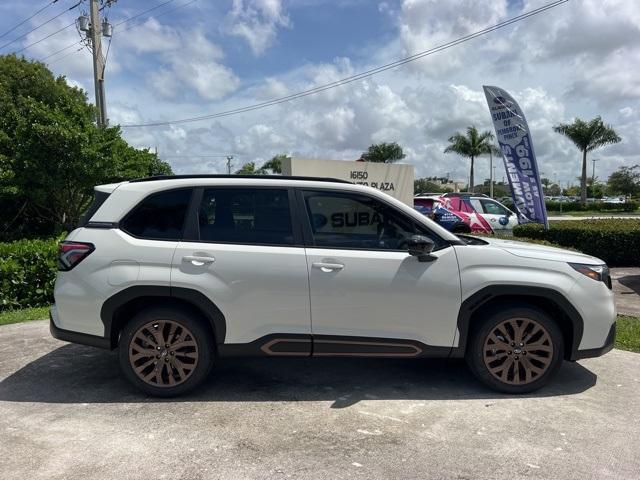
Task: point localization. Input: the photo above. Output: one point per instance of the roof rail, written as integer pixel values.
(255, 177)
(465, 194)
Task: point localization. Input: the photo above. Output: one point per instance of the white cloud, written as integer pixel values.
(257, 22)
(571, 61)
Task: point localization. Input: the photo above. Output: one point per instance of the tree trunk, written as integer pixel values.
(583, 180)
(471, 176)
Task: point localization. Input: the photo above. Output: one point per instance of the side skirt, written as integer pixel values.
(290, 345)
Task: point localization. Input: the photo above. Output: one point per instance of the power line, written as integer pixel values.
(40, 26)
(44, 38)
(356, 77)
(28, 18)
(116, 25)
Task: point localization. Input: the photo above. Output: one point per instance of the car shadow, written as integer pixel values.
(632, 282)
(78, 374)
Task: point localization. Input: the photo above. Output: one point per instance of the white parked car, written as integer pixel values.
(176, 272)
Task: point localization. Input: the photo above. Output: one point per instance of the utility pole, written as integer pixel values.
(98, 63)
(229, 158)
(95, 29)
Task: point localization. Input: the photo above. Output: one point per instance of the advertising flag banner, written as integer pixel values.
(520, 163)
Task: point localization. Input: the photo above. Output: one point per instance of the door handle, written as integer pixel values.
(198, 260)
(327, 267)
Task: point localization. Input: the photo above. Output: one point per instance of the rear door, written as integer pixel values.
(368, 295)
(242, 250)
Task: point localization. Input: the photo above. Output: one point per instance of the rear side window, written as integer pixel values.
(245, 216)
(160, 216)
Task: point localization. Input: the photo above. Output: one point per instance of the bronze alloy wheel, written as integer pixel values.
(518, 351)
(163, 353)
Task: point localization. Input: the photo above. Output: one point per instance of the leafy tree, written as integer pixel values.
(587, 136)
(51, 152)
(274, 165)
(625, 181)
(250, 169)
(471, 145)
(425, 185)
(553, 190)
(383, 153)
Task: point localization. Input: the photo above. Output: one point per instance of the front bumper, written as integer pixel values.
(75, 337)
(597, 352)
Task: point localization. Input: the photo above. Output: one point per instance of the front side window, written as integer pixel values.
(245, 216)
(493, 208)
(342, 220)
(160, 216)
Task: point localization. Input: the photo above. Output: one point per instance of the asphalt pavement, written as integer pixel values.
(66, 413)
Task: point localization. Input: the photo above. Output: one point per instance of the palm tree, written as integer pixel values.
(587, 136)
(471, 145)
(383, 153)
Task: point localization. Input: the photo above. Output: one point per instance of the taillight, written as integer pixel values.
(71, 254)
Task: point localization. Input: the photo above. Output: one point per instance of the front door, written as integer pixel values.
(366, 289)
(244, 256)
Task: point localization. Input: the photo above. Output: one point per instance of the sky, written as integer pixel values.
(189, 58)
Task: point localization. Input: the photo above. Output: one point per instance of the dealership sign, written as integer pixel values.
(519, 159)
(392, 178)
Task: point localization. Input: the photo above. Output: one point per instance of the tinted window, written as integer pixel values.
(160, 216)
(251, 216)
(356, 221)
(493, 208)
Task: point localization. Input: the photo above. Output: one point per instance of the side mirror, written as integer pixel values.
(421, 247)
(509, 213)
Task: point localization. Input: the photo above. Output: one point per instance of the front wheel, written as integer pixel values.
(165, 351)
(516, 350)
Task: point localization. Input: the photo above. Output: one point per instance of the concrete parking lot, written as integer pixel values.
(65, 413)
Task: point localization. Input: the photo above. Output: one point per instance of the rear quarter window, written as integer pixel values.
(160, 216)
(98, 199)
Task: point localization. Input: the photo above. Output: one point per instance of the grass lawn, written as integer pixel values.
(592, 213)
(24, 315)
(628, 333)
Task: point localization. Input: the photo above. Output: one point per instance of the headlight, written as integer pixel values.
(599, 273)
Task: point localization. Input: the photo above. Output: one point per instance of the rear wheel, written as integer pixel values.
(165, 351)
(516, 350)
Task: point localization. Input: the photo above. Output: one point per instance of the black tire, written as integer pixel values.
(184, 327)
(488, 350)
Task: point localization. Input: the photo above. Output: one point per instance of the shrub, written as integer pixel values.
(616, 241)
(592, 207)
(27, 273)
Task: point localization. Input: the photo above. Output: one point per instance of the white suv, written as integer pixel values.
(175, 272)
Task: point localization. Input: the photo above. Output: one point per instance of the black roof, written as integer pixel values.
(258, 177)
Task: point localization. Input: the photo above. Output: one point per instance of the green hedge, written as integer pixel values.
(27, 273)
(616, 241)
(592, 207)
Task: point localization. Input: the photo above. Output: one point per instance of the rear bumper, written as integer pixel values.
(596, 352)
(75, 337)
